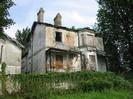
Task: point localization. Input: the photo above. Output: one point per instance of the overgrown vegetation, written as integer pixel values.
(43, 86)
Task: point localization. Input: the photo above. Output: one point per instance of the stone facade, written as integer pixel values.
(58, 48)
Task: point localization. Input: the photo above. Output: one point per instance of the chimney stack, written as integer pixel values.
(57, 20)
(40, 15)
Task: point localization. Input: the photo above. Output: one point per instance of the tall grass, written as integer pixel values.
(43, 86)
(108, 94)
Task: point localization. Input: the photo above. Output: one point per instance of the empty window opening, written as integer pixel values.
(58, 37)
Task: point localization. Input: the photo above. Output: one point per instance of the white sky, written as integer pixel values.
(78, 13)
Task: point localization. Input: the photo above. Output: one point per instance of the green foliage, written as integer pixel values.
(96, 85)
(70, 82)
(40, 86)
(115, 24)
(5, 21)
(3, 78)
(23, 37)
(108, 94)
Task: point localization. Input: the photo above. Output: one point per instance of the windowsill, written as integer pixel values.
(59, 42)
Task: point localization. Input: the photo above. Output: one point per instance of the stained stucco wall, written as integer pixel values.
(101, 64)
(99, 43)
(100, 58)
(88, 38)
(69, 38)
(91, 64)
(38, 49)
(69, 41)
(11, 55)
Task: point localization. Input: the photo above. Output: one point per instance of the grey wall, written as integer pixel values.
(39, 49)
(101, 64)
(11, 55)
(99, 43)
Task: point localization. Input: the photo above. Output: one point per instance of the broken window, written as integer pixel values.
(58, 37)
(59, 61)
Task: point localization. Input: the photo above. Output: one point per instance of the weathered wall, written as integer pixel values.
(88, 39)
(99, 43)
(71, 63)
(69, 38)
(101, 64)
(76, 61)
(91, 64)
(11, 55)
(44, 38)
(38, 49)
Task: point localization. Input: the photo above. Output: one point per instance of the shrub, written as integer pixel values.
(63, 83)
(97, 85)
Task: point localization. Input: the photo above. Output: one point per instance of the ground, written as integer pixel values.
(98, 95)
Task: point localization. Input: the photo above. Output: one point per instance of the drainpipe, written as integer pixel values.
(1, 54)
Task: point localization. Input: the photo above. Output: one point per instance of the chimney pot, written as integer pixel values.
(57, 20)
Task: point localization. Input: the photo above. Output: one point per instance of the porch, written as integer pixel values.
(59, 60)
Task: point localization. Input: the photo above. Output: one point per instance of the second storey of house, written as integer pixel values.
(60, 37)
(45, 36)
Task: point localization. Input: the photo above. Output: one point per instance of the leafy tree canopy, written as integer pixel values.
(5, 21)
(115, 24)
(23, 36)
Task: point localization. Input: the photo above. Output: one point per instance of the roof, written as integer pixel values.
(86, 29)
(61, 27)
(14, 41)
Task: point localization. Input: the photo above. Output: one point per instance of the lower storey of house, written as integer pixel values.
(62, 60)
(57, 60)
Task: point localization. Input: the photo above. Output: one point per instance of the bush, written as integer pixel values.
(96, 85)
(63, 83)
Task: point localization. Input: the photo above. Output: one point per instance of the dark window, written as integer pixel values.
(58, 37)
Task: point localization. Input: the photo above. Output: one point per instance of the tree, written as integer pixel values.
(4, 14)
(23, 36)
(115, 24)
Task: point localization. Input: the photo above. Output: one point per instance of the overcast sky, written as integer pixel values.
(78, 13)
